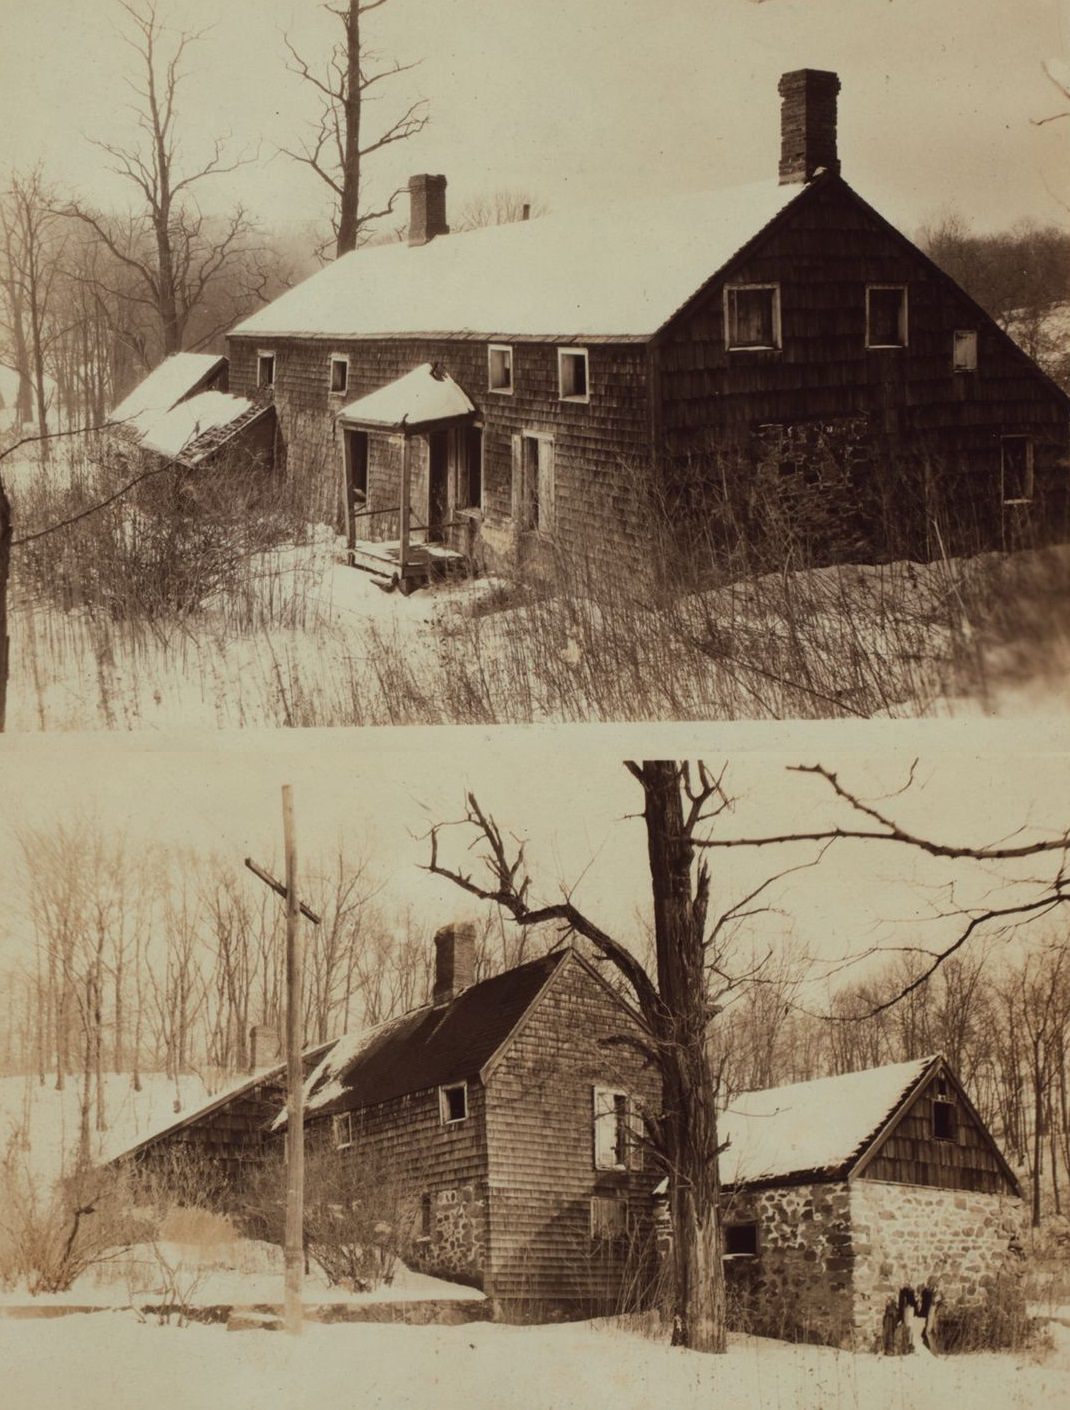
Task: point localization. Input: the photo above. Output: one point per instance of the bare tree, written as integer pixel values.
(502, 207)
(32, 254)
(183, 252)
(677, 1001)
(340, 143)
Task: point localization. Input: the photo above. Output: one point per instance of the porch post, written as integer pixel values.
(406, 476)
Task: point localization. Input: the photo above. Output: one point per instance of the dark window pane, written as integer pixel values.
(885, 318)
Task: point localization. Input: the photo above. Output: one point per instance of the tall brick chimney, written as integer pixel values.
(427, 208)
(455, 961)
(807, 124)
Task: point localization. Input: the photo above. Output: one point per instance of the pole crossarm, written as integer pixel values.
(277, 886)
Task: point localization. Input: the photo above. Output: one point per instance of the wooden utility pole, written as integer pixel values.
(294, 1251)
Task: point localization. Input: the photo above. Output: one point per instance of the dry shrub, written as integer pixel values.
(1000, 1322)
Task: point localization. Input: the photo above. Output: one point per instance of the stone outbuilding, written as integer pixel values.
(846, 1193)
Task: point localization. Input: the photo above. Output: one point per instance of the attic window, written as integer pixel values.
(886, 316)
(964, 354)
(342, 1126)
(943, 1120)
(265, 369)
(741, 1240)
(752, 316)
(610, 1129)
(1016, 469)
(572, 374)
(339, 374)
(499, 368)
(453, 1102)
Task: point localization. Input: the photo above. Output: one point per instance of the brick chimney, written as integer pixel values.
(427, 208)
(455, 961)
(265, 1049)
(807, 124)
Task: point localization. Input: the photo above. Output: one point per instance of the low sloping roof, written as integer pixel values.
(176, 378)
(430, 1046)
(421, 396)
(817, 1128)
(177, 433)
(620, 271)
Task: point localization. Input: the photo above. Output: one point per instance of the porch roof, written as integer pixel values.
(427, 395)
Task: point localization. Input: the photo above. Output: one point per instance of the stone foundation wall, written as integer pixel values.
(909, 1235)
(798, 1287)
(456, 1245)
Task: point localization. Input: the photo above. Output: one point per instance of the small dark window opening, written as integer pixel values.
(943, 1121)
(425, 1216)
(1017, 468)
(752, 321)
(741, 1240)
(573, 373)
(265, 370)
(886, 317)
(339, 374)
(455, 1102)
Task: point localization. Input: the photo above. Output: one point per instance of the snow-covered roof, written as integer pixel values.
(166, 385)
(186, 423)
(620, 271)
(423, 395)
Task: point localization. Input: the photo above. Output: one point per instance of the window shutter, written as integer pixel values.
(546, 487)
(517, 501)
(604, 1130)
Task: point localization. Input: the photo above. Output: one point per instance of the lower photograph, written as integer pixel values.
(582, 1066)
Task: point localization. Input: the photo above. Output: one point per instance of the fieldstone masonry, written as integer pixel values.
(831, 1256)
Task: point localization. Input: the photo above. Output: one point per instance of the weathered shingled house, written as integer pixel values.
(503, 1111)
(842, 1191)
(510, 391)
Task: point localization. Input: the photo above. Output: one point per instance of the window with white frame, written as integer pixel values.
(572, 380)
(964, 351)
(533, 489)
(752, 316)
(1016, 469)
(886, 316)
(265, 369)
(339, 373)
(612, 1129)
(453, 1102)
(499, 368)
(342, 1126)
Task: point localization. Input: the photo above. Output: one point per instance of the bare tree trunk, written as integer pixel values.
(349, 200)
(5, 573)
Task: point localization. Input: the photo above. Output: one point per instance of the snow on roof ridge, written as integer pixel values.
(618, 270)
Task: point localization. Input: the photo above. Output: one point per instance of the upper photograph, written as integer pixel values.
(397, 362)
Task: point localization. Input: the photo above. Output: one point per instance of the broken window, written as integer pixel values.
(339, 374)
(499, 368)
(343, 1129)
(741, 1240)
(944, 1120)
(265, 369)
(1017, 469)
(572, 374)
(454, 1102)
(611, 1129)
(752, 316)
(886, 316)
(964, 355)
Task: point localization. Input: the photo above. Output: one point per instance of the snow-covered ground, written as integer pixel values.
(110, 1361)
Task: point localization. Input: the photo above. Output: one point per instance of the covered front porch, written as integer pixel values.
(412, 467)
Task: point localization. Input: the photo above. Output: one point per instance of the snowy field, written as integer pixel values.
(110, 1361)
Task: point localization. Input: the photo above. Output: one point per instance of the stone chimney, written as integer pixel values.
(455, 961)
(807, 124)
(265, 1050)
(427, 208)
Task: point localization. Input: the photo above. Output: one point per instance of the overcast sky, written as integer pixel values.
(583, 100)
(564, 789)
